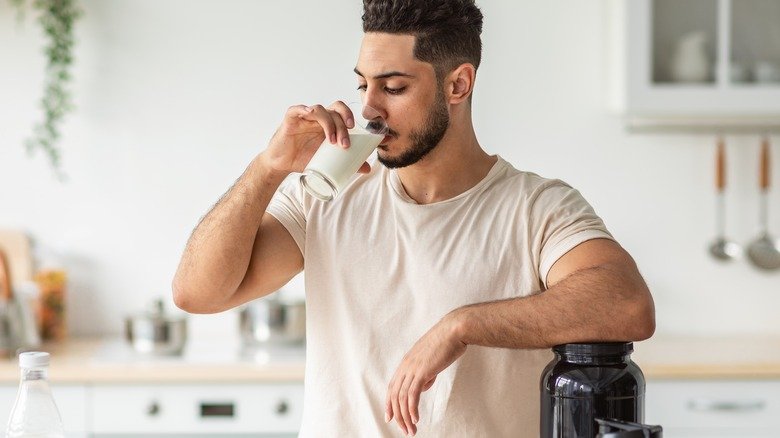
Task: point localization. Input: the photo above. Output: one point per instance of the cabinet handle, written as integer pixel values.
(153, 409)
(282, 407)
(706, 405)
(223, 410)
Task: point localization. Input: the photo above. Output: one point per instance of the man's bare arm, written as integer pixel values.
(596, 294)
(239, 252)
(219, 252)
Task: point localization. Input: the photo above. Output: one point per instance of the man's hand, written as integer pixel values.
(302, 131)
(429, 356)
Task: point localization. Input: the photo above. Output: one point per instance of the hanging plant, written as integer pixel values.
(57, 18)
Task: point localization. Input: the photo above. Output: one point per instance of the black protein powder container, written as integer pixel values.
(589, 381)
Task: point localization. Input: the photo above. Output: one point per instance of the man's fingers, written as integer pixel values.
(395, 387)
(388, 410)
(342, 116)
(389, 402)
(342, 135)
(346, 114)
(319, 114)
(403, 404)
(414, 400)
(335, 121)
(297, 111)
(397, 411)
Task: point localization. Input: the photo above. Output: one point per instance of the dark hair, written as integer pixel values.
(447, 32)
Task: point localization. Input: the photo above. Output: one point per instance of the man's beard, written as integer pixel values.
(424, 140)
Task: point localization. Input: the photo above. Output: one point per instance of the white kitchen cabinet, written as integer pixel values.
(71, 401)
(221, 410)
(714, 408)
(657, 80)
(104, 410)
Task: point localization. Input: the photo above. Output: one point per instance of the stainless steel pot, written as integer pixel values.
(273, 321)
(155, 332)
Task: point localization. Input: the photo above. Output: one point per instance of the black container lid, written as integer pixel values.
(595, 349)
(627, 429)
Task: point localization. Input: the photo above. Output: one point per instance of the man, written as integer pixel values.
(436, 282)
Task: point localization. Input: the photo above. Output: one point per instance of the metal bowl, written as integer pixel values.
(272, 321)
(156, 333)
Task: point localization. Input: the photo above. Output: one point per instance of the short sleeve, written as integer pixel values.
(561, 219)
(287, 206)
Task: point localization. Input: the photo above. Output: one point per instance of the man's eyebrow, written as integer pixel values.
(386, 75)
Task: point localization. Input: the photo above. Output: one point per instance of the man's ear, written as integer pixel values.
(460, 83)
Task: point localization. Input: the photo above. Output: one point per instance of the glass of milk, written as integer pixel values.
(332, 166)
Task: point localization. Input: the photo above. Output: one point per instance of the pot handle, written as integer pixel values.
(5, 278)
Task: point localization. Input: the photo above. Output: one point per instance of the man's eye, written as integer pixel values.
(394, 90)
(387, 89)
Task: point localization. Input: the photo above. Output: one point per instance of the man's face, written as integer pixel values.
(405, 91)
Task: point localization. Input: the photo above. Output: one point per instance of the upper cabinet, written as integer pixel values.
(696, 64)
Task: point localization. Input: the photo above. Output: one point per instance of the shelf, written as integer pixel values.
(738, 124)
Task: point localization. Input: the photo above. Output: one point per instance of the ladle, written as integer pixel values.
(763, 251)
(722, 248)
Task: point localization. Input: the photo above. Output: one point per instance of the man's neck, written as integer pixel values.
(457, 164)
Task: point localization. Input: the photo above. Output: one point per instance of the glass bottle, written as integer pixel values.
(34, 414)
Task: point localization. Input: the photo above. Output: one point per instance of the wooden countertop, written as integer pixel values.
(112, 361)
(725, 357)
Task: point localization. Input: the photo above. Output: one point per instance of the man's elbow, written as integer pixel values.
(187, 298)
(182, 296)
(641, 318)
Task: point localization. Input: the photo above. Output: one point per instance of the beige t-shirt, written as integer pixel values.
(381, 270)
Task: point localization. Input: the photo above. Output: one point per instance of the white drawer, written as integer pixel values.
(71, 401)
(135, 409)
(746, 408)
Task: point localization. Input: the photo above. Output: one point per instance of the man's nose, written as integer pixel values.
(370, 112)
(373, 106)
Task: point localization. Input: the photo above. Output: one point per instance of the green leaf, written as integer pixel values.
(57, 19)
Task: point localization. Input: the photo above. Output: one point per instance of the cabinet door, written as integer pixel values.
(71, 401)
(713, 408)
(700, 60)
(202, 409)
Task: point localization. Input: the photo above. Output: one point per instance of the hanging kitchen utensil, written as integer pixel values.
(763, 251)
(722, 248)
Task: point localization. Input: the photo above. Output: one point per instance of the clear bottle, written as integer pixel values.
(34, 414)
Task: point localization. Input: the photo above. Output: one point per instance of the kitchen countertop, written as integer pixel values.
(113, 361)
(698, 357)
(215, 361)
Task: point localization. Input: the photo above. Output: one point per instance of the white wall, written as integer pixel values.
(174, 98)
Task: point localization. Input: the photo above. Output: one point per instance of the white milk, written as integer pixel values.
(332, 166)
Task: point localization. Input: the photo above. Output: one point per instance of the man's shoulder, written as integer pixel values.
(527, 183)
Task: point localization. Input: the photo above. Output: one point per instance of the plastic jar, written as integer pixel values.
(589, 381)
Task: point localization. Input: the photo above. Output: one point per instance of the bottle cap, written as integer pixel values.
(33, 359)
(596, 349)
